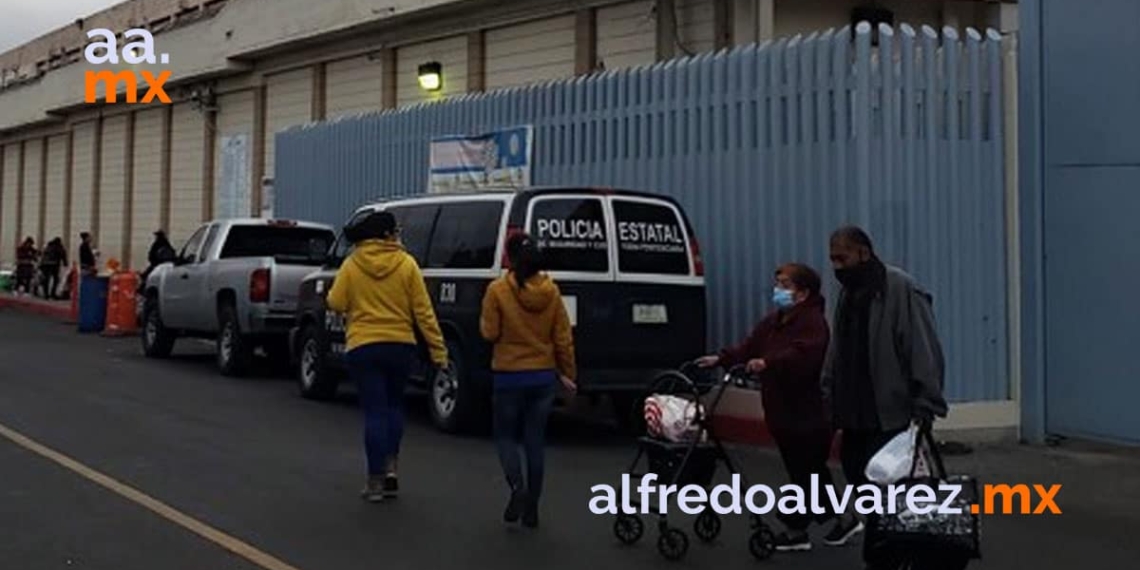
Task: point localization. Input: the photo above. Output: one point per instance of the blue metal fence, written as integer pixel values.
(769, 148)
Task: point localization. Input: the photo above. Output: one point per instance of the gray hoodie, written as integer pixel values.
(906, 359)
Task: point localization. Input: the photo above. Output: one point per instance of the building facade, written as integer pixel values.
(242, 70)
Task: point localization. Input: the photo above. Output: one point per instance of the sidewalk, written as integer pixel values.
(59, 310)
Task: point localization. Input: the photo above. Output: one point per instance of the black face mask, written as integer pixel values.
(856, 276)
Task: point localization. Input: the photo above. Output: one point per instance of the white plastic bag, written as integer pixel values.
(671, 417)
(894, 461)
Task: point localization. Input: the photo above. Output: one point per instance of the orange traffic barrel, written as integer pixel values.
(73, 290)
(121, 318)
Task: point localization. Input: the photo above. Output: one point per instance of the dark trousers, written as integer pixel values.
(520, 421)
(859, 446)
(805, 453)
(51, 280)
(381, 371)
(25, 277)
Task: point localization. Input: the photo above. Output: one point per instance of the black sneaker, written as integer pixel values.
(793, 542)
(515, 506)
(391, 487)
(844, 530)
(530, 517)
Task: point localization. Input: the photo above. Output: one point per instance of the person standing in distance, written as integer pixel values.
(524, 318)
(785, 352)
(87, 259)
(884, 368)
(382, 292)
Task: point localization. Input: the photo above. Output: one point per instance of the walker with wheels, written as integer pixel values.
(691, 462)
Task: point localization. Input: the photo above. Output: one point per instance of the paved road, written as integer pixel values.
(252, 460)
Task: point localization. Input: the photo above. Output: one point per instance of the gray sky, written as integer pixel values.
(23, 20)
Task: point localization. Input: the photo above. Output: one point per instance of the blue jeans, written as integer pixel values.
(380, 372)
(520, 420)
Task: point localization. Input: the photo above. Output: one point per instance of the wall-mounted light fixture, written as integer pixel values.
(431, 76)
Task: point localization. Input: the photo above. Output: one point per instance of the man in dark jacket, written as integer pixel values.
(161, 251)
(785, 352)
(87, 255)
(54, 259)
(884, 369)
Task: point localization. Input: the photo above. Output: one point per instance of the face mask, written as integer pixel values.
(782, 298)
(856, 276)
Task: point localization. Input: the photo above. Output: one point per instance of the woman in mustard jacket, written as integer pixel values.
(523, 316)
(382, 292)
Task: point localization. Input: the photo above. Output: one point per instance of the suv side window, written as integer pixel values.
(416, 223)
(190, 250)
(571, 233)
(466, 235)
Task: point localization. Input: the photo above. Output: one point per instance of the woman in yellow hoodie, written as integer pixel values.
(523, 316)
(382, 292)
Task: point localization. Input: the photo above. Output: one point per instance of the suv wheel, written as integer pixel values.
(157, 340)
(314, 380)
(456, 403)
(234, 351)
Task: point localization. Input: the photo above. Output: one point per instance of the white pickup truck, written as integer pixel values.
(235, 281)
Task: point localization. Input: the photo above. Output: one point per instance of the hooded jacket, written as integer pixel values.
(382, 292)
(528, 327)
(793, 344)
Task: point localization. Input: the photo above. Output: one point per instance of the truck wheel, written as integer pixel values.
(457, 405)
(157, 340)
(314, 380)
(234, 351)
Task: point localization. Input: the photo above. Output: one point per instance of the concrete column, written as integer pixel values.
(68, 186)
(96, 179)
(20, 193)
(766, 19)
(585, 41)
(209, 142)
(128, 190)
(320, 92)
(42, 214)
(722, 23)
(666, 30)
(388, 68)
(257, 170)
(476, 61)
(166, 160)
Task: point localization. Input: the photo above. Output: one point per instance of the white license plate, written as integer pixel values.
(571, 304)
(650, 315)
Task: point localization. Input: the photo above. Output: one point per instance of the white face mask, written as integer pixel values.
(783, 298)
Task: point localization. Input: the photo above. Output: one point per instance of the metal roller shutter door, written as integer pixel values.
(235, 119)
(8, 239)
(55, 198)
(695, 25)
(82, 182)
(353, 85)
(451, 53)
(627, 35)
(289, 101)
(146, 210)
(112, 189)
(530, 53)
(188, 139)
(33, 192)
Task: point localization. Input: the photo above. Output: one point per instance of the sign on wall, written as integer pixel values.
(470, 162)
(233, 188)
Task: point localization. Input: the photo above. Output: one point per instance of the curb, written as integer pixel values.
(35, 307)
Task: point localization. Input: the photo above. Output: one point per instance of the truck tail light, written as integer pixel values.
(695, 253)
(512, 231)
(259, 286)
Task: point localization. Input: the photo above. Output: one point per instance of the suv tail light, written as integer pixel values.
(511, 232)
(695, 252)
(259, 286)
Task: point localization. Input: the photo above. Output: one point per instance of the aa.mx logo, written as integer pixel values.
(104, 50)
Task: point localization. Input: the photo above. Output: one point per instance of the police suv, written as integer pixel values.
(627, 263)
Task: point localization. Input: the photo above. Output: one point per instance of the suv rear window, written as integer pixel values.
(651, 238)
(286, 245)
(466, 235)
(571, 233)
